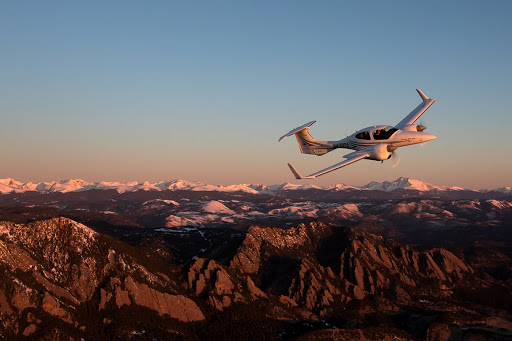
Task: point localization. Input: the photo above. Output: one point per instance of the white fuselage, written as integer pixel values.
(372, 143)
(389, 136)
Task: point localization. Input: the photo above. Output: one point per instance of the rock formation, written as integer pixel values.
(59, 277)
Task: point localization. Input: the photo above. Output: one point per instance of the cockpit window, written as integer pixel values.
(385, 133)
(363, 135)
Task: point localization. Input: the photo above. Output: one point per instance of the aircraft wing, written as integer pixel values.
(416, 113)
(351, 158)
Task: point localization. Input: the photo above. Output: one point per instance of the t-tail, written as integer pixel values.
(307, 144)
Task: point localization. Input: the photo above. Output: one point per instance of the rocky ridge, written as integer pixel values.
(55, 267)
(331, 264)
(59, 276)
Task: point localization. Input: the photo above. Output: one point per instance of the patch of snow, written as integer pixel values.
(255, 213)
(6, 189)
(175, 221)
(500, 204)
(10, 185)
(200, 218)
(288, 209)
(506, 190)
(403, 207)
(216, 207)
(238, 188)
(346, 211)
(425, 216)
(309, 214)
(401, 183)
(306, 209)
(467, 205)
(160, 201)
(288, 187)
(341, 187)
(64, 186)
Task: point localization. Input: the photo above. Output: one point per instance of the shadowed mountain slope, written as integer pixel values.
(62, 278)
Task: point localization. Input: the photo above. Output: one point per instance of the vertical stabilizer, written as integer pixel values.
(307, 144)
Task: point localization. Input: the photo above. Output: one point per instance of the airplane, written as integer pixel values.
(373, 143)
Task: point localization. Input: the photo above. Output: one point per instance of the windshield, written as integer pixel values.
(385, 133)
(363, 135)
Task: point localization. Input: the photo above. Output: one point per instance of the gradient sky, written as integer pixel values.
(202, 90)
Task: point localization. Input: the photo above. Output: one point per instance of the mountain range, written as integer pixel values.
(181, 260)
(76, 185)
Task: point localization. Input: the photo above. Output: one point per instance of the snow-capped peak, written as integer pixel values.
(400, 183)
(10, 185)
(506, 190)
(216, 207)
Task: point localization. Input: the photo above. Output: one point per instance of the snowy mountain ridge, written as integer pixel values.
(10, 185)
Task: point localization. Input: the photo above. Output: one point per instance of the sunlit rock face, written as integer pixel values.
(61, 276)
(317, 265)
(53, 268)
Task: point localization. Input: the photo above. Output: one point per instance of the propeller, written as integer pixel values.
(395, 158)
(421, 126)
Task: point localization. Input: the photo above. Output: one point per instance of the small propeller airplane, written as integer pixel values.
(374, 143)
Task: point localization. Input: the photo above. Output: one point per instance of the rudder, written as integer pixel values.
(308, 145)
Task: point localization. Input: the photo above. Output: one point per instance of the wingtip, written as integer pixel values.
(297, 174)
(423, 96)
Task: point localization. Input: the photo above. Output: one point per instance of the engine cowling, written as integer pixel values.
(381, 152)
(414, 127)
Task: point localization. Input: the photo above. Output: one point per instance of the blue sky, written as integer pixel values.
(131, 90)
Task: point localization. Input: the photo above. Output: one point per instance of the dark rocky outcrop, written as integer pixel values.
(59, 277)
(318, 265)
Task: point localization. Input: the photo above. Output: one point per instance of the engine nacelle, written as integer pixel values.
(381, 152)
(414, 127)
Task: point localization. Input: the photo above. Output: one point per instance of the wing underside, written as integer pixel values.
(353, 157)
(416, 113)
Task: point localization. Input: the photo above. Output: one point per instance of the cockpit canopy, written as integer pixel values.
(376, 133)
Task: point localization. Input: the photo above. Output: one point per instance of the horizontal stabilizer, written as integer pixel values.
(296, 130)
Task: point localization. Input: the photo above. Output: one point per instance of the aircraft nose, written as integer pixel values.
(429, 137)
